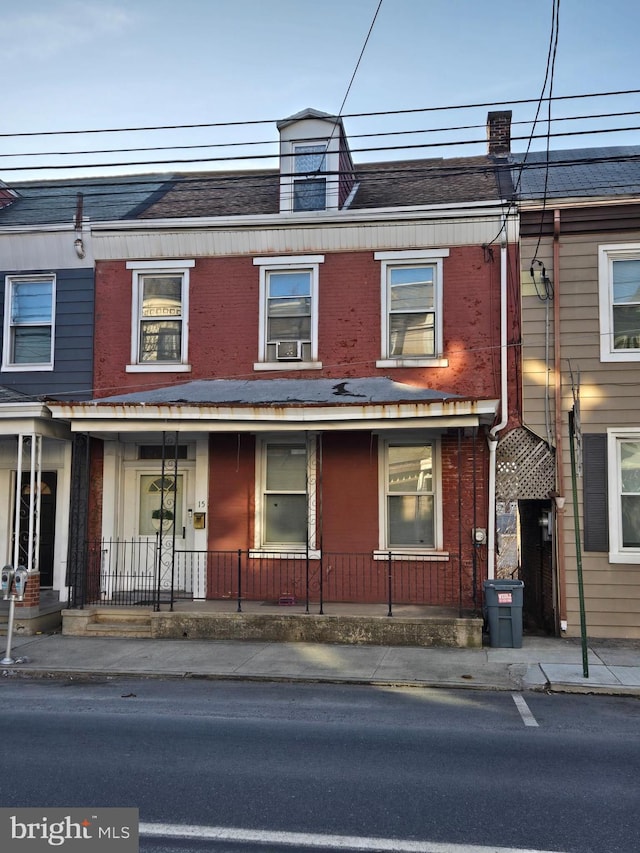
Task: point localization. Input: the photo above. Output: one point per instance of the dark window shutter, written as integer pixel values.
(596, 511)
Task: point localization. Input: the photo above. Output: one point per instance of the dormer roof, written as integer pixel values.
(308, 113)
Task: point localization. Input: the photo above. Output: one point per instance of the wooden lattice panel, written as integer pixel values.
(525, 467)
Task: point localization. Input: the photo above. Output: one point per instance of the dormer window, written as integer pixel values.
(316, 171)
(310, 191)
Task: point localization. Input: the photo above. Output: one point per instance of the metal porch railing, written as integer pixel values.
(139, 572)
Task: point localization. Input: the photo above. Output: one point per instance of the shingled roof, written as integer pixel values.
(403, 183)
(55, 202)
(577, 173)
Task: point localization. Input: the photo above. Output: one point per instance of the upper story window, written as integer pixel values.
(160, 302)
(411, 298)
(310, 191)
(29, 322)
(619, 289)
(288, 312)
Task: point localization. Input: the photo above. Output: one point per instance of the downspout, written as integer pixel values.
(504, 414)
(560, 552)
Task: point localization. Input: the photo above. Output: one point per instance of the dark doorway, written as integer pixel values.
(536, 566)
(47, 523)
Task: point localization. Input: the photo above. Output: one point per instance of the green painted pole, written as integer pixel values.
(576, 527)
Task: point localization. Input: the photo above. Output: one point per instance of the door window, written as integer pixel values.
(160, 504)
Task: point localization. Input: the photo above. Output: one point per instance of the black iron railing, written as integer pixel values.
(139, 572)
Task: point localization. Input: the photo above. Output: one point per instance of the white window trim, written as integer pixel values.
(276, 264)
(409, 257)
(139, 268)
(607, 253)
(7, 364)
(287, 550)
(289, 174)
(617, 553)
(437, 552)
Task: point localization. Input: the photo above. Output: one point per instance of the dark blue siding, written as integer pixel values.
(72, 376)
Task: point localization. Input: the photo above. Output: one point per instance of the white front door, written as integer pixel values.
(157, 526)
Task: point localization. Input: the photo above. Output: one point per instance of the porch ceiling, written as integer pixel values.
(282, 404)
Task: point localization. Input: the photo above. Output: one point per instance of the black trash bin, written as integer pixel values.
(503, 610)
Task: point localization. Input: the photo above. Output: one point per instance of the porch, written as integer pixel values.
(145, 589)
(364, 624)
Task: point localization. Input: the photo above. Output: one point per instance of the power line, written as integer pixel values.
(245, 123)
(256, 157)
(200, 185)
(377, 134)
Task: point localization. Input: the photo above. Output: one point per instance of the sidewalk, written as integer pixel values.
(541, 664)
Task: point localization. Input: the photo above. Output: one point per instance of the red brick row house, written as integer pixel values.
(300, 376)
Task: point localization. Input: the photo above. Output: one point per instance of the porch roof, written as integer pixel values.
(268, 404)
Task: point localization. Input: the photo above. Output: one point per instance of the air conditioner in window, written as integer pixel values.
(289, 350)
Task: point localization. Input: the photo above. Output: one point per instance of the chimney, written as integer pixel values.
(499, 133)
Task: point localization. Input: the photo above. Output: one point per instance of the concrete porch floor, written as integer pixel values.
(367, 624)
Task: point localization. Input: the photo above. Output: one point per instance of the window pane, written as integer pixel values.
(631, 521)
(411, 521)
(411, 334)
(154, 491)
(289, 284)
(31, 302)
(411, 297)
(626, 327)
(289, 329)
(630, 467)
(310, 194)
(286, 468)
(289, 307)
(160, 341)
(309, 158)
(626, 281)
(286, 519)
(162, 296)
(410, 468)
(411, 289)
(31, 345)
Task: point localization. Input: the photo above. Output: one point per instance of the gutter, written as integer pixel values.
(460, 210)
(504, 416)
(559, 504)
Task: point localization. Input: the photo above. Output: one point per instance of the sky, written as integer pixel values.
(81, 65)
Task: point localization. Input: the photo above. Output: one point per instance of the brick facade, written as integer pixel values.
(224, 317)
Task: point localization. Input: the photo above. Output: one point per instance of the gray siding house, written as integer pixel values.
(46, 350)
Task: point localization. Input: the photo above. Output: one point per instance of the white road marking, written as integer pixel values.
(303, 840)
(527, 717)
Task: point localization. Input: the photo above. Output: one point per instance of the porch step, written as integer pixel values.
(119, 623)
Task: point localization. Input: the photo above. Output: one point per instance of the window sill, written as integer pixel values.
(284, 554)
(632, 558)
(415, 556)
(413, 362)
(287, 365)
(26, 368)
(158, 368)
(630, 355)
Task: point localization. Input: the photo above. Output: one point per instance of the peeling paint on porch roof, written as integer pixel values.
(265, 405)
(285, 392)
